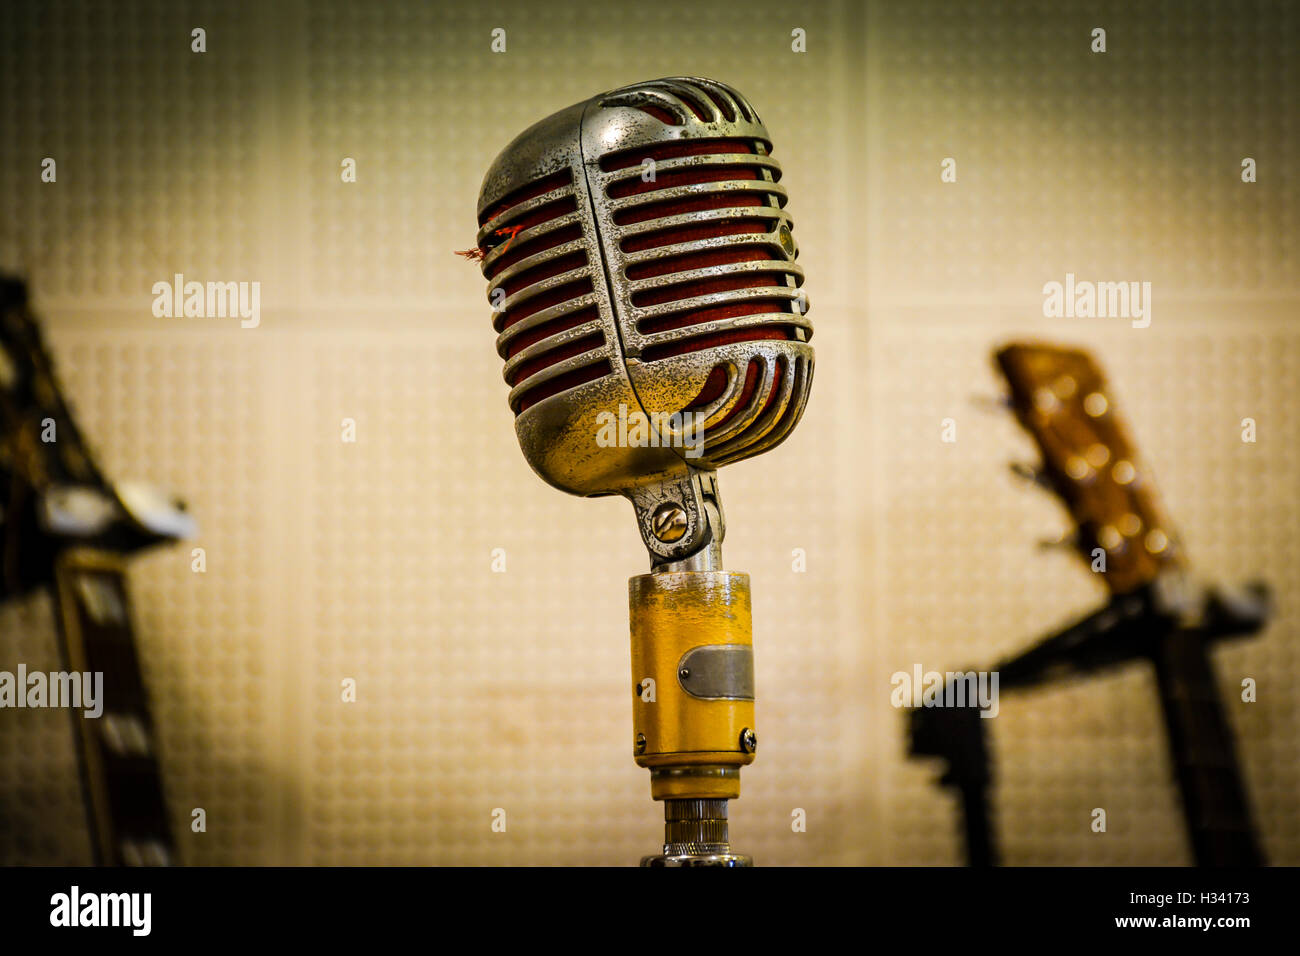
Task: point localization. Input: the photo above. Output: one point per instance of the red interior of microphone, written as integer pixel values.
(531, 191)
(548, 268)
(740, 224)
(731, 226)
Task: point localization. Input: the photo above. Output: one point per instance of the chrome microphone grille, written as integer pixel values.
(540, 280)
(700, 260)
(638, 250)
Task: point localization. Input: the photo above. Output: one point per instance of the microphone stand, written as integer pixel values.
(1143, 625)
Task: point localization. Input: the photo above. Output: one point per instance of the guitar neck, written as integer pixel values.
(1203, 753)
(126, 807)
(61, 521)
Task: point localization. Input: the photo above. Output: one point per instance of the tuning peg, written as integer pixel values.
(1030, 473)
(992, 403)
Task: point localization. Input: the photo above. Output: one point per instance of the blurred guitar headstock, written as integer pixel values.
(1061, 398)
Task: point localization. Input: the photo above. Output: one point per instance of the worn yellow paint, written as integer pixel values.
(672, 613)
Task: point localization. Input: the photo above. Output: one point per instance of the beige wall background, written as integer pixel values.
(479, 690)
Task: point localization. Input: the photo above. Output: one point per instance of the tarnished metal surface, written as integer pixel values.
(558, 434)
(718, 672)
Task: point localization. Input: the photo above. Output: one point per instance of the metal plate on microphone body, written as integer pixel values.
(718, 672)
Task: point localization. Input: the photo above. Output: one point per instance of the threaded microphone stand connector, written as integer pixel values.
(695, 834)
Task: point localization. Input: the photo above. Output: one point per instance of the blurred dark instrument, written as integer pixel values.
(1154, 613)
(62, 524)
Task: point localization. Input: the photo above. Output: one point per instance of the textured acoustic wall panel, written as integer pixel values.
(369, 523)
(155, 148)
(197, 413)
(1121, 164)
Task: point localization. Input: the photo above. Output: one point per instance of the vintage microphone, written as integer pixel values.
(640, 265)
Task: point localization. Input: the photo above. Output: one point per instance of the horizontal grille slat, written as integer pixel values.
(681, 346)
(538, 269)
(549, 268)
(667, 264)
(542, 386)
(531, 243)
(663, 174)
(706, 281)
(538, 258)
(538, 187)
(543, 301)
(676, 235)
(704, 245)
(526, 218)
(710, 314)
(702, 334)
(787, 294)
(554, 356)
(667, 180)
(695, 198)
(551, 330)
(521, 326)
(662, 151)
